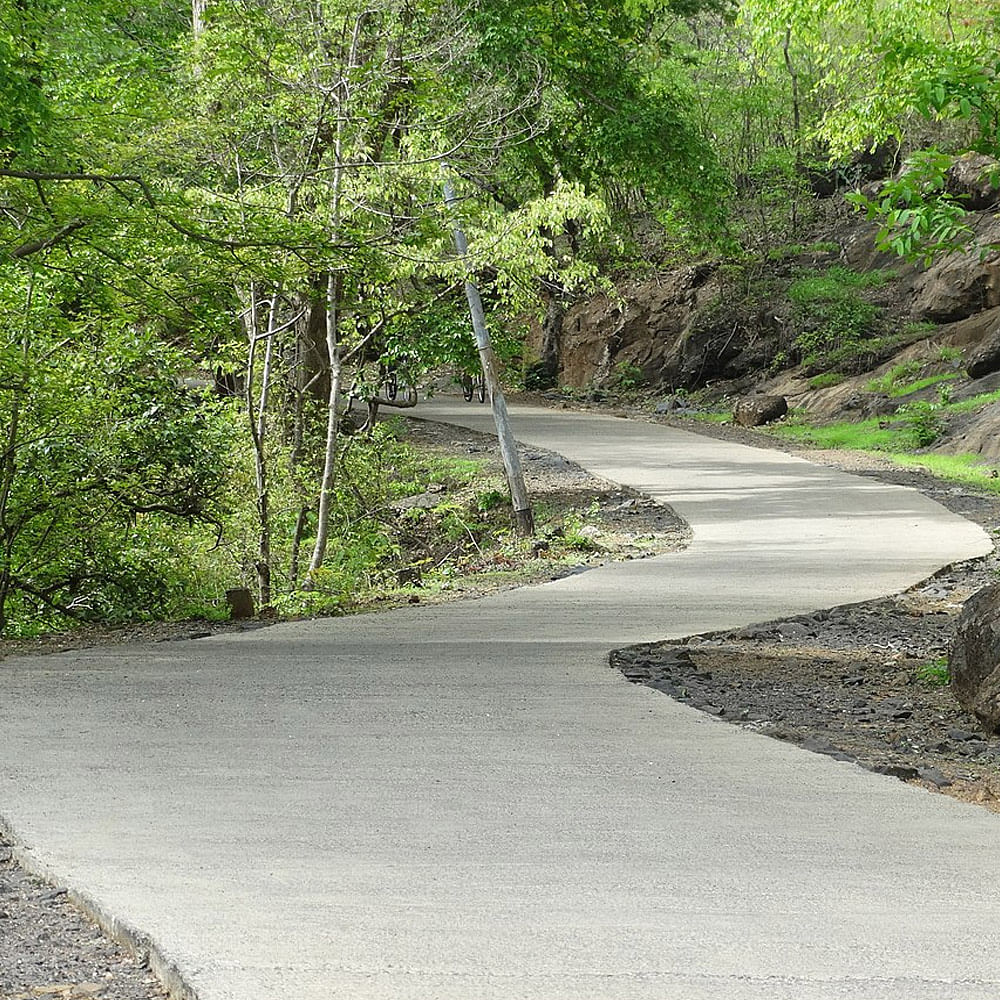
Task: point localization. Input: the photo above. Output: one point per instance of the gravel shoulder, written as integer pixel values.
(50, 948)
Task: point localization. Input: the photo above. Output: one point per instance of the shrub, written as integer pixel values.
(935, 673)
(830, 313)
(924, 421)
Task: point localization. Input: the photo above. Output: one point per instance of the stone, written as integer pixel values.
(794, 630)
(974, 660)
(973, 179)
(934, 776)
(420, 501)
(816, 744)
(986, 359)
(904, 772)
(240, 602)
(987, 383)
(960, 284)
(961, 735)
(753, 411)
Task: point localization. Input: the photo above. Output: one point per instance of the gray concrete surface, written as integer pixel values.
(466, 803)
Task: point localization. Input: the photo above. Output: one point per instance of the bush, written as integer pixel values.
(831, 315)
(924, 420)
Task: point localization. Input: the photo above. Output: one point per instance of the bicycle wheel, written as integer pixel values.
(467, 388)
(481, 389)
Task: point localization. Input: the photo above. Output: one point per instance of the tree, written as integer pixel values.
(101, 449)
(920, 73)
(603, 104)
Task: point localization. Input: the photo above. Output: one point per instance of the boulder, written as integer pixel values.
(986, 359)
(644, 325)
(974, 661)
(973, 178)
(962, 283)
(988, 383)
(240, 602)
(752, 411)
(953, 288)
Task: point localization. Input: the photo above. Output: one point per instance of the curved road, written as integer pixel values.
(465, 803)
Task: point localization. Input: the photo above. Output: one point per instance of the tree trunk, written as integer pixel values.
(257, 416)
(8, 467)
(523, 517)
(326, 490)
(334, 293)
(198, 17)
(297, 536)
(551, 335)
(313, 372)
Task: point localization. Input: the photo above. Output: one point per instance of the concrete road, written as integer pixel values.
(467, 803)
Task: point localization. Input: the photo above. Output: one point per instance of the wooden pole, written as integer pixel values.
(524, 519)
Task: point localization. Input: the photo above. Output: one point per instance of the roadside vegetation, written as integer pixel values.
(222, 222)
(906, 436)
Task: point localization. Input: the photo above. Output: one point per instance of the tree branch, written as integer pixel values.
(37, 246)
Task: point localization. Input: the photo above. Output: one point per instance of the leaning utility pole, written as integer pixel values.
(524, 520)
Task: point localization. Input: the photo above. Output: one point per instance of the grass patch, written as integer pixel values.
(835, 283)
(975, 402)
(935, 673)
(966, 469)
(826, 380)
(831, 314)
(706, 417)
(900, 381)
(894, 376)
(922, 383)
(895, 440)
(864, 435)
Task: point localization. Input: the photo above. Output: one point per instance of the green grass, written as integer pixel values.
(935, 673)
(975, 402)
(899, 380)
(865, 435)
(895, 443)
(834, 284)
(894, 376)
(922, 383)
(826, 379)
(967, 469)
(712, 418)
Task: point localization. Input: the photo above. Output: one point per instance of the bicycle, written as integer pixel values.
(389, 381)
(474, 385)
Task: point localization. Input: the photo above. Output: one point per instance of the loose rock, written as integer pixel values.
(974, 662)
(753, 411)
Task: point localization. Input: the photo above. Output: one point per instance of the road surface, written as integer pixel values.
(465, 802)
